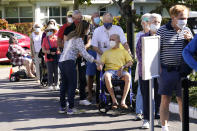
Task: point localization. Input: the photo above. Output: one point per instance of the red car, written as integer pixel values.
(23, 41)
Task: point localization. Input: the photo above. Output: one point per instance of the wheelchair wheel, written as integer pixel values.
(103, 107)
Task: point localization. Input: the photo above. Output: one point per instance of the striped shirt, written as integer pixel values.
(172, 43)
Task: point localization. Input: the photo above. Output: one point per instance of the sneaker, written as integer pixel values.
(71, 111)
(84, 102)
(50, 88)
(164, 128)
(62, 110)
(145, 124)
(159, 123)
(56, 88)
(138, 117)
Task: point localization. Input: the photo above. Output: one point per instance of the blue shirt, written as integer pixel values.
(189, 52)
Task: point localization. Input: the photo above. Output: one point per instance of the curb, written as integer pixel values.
(174, 108)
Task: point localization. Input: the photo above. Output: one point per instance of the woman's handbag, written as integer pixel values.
(50, 56)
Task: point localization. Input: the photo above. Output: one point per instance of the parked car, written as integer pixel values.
(192, 21)
(23, 41)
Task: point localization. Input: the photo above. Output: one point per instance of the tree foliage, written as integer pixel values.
(80, 2)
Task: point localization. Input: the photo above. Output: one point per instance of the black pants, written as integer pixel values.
(52, 68)
(81, 63)
(68, 83)
(144, 86)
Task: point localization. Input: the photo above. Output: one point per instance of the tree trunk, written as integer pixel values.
(130, 34)
(76, 5)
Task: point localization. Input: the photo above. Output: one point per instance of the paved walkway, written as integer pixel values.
(26, 106)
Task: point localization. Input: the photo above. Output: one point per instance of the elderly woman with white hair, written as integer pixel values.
(139, 103)
(35, 44)
(154, 23)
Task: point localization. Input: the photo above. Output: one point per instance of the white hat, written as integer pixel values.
(51, 27)
(53, 20)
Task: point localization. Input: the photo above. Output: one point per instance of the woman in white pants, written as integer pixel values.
(36, 41)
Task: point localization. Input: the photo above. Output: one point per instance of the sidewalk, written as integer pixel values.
(26, 106)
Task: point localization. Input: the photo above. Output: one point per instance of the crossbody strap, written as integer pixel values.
(49, 41)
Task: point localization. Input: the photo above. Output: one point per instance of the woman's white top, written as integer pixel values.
(37, 39)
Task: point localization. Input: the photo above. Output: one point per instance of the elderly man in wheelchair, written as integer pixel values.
(116, 60)
(19, 56)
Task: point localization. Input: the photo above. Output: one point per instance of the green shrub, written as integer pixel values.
(3, 24)
(24, 28)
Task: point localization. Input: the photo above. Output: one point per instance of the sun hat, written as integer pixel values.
(51, 27)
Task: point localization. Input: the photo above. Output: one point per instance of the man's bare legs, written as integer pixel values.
(108, 83)
(127, 80)
(179, 100)
(164, 109)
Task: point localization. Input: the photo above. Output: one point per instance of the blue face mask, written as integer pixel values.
(49, 33)
(108, 25)
(97, 20)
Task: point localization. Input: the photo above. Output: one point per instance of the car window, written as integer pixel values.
(5, 35)
(18, 36)
(192, 24)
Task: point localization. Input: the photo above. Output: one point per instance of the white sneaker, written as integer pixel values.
(159, 123)
(50, 88)
(138, 117)
(84, 102)
(164, 128)
(56, 88)
(145, 124)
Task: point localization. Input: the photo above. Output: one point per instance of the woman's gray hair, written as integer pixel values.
(154, 15)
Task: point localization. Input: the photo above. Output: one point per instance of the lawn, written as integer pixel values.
(5, 65)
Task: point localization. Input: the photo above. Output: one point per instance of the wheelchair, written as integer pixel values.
(105, 101)
(20, 74)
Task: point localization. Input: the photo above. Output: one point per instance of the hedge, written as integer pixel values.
(24, 28)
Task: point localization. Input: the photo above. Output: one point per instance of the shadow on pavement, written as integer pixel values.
(75, 125)
(21, 104)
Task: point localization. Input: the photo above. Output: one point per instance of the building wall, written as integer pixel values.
(43, 11)
(142, 8)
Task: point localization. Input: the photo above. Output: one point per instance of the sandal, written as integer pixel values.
(114, 106)
(123, 106)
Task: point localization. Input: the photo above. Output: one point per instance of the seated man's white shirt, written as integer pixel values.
(101, 37)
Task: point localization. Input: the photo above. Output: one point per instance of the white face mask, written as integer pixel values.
(154, 27)
(70, 20)
(182, 23)
(49, 33)
(112, 44)
(37, 30)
